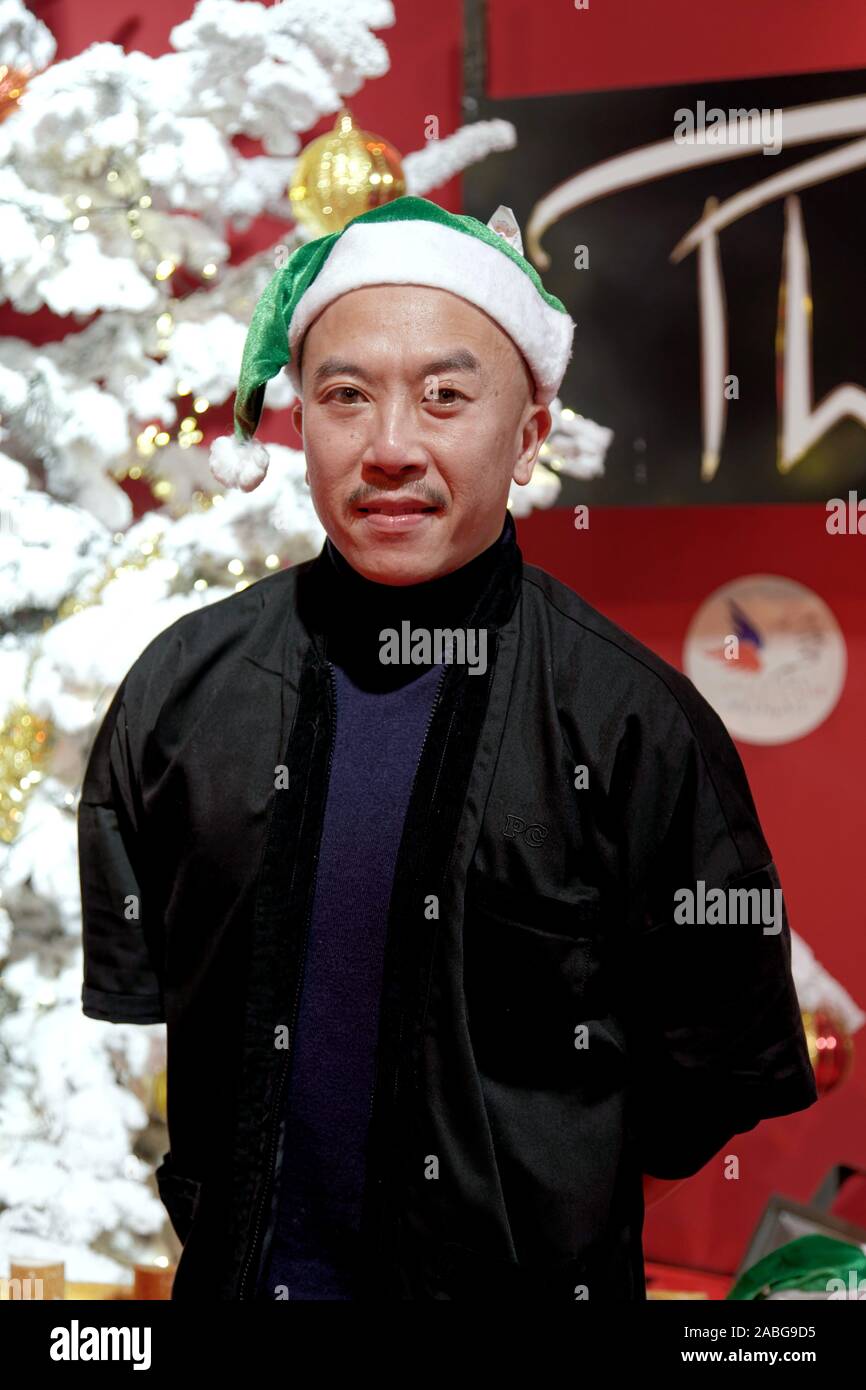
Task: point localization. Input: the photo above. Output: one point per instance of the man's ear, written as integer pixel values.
(298, 417)
(537, 425)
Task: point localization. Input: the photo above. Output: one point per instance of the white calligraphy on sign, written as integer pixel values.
(802, 423)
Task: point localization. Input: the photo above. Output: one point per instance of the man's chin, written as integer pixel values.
(395, 554)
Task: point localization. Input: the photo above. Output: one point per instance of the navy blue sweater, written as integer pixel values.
(382, 716)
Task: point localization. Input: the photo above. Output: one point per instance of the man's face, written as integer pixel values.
(413, 398)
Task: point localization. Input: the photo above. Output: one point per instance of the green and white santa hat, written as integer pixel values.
(410, 241)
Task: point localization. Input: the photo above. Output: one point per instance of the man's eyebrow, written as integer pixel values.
(461, 360)
(338, 366)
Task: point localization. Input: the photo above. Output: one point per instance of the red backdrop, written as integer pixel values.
(648, 570)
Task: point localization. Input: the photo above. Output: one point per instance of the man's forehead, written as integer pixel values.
(450, 357)
(458, 359)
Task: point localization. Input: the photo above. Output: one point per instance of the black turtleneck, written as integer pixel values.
(358, 609)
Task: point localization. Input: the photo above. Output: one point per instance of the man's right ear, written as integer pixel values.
(298, 417)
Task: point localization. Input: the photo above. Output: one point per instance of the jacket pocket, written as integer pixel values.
(529, 964)
(180, 1196)
(579, 915)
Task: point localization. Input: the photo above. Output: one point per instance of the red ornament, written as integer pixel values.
(831, 1048)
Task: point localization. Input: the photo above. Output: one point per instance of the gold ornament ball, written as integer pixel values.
(831, 1048)
(12, 84)
(342, 174)
(159, 1095)
(152, 1091)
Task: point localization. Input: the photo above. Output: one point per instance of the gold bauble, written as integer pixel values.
(342, 174)
(831, 1048)
(24, 742)
(152, 1090)
(158, 1095)
(12, 84)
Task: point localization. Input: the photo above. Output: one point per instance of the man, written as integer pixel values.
(408, 829)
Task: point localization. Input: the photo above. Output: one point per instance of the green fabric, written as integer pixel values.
(266, 349)
(806, 1263)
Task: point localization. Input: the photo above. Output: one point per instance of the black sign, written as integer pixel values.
(693, 363)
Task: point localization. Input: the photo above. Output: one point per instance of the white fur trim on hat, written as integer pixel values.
(240, 463)
(426, 253)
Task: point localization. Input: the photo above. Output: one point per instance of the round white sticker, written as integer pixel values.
(768, 655)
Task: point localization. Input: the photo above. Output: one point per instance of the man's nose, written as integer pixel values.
(394, 439)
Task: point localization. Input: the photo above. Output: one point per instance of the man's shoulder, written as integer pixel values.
(606, 656)
(217, 630)
(580, 629)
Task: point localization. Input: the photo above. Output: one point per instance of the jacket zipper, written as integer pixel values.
(275, 1113)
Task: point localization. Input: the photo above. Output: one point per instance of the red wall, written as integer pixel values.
(554, 47)
(649, 570)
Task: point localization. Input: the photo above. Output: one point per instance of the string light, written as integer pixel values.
(124, 185)
(25, 740)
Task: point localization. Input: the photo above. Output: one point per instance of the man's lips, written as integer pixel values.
(398, 508)
(391, 516)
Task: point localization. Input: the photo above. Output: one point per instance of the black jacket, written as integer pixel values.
(548, 1032)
